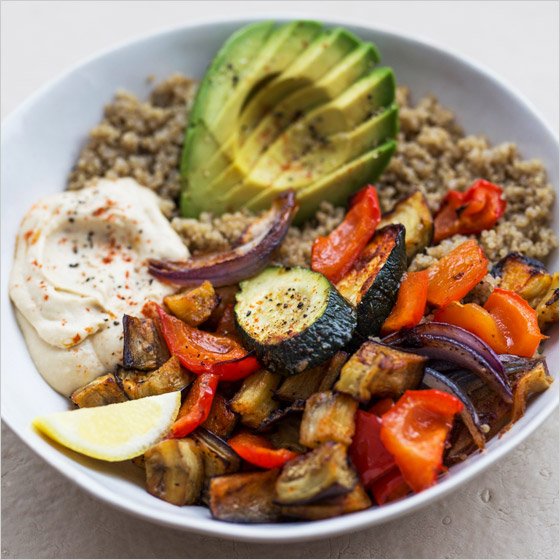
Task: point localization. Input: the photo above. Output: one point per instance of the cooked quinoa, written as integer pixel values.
(143, 140)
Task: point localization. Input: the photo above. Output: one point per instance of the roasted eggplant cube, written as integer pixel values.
(376, 370)
(333, 371)
(356, 500)
(195, 306)
(285, 434)
(175, 471)
(323, 473)
(222, 420)
(255, 401)
(144, 347)
(526, 276)
(169, 377)
(328, 416)
(218, 457)
(301, 385)
(245, 497)
(414, 214)
(99, 392)
(547, 308)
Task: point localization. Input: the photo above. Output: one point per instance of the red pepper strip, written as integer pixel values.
(204, 352)
(389, 487)
(197, 405)
(367, 453)
(411, 303)
(258, 451)
(456, 274)
(414, 432)
(517, 321)
(472, 211)
(334, 255)
(475, 319)
(382, 406)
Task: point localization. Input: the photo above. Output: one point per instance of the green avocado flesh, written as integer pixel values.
(287, 106)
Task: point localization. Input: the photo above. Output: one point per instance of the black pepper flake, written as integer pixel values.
(248, 313)
(151, 281)
(71, 220)
(74, 265)
(300, 305)
(116, 323)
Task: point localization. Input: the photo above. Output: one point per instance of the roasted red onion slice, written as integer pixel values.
(441, 341)
(437, 380)
(223, 269)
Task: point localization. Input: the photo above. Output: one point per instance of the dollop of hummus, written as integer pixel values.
(80, 265)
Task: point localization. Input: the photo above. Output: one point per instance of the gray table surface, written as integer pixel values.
(510, 511)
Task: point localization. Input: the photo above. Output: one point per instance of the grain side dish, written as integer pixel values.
(297, 291)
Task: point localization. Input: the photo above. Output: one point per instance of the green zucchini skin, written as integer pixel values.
(315, 344)
(375, 303)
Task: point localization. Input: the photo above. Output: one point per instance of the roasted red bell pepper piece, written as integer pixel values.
(334, 254)
(258, 451)
(475, 319)
(197, 405)
(411, 303)
(367, 453)
(389, 487)
(517, 321)
(414, 432)
(456, 274)
(382, 406)
(204, 352)
(472, 211)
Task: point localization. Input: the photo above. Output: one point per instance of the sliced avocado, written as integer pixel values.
(355, 65)
(228, 83)
(362, 100)
(339, 185)
(295, 104)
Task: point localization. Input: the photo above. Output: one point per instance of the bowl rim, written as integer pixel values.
(299, 531)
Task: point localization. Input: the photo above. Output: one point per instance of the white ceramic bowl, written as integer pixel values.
(40, 142)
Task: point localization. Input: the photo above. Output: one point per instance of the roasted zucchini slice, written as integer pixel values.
(414, 214)
(99, 392)
(376, 370)
(175, 471)
(328, 417)
(195, 306)
(526, 276)
(293, 318)
(222, 420)
(325, 472)
(356, 500)
(547, 308)
(245, 497)
(144, 347)
(373, 282)
(169, 377)
(255, 400)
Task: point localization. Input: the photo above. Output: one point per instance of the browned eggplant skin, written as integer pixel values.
(175, 471)
(249, 257)
(144, 348)
(356, 500)
(222, 420)
(325, 472)
(377, 370)
(245, 497)
(101, 391)
(328, 417)
(167, 378)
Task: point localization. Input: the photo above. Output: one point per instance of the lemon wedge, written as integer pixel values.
(115, 432)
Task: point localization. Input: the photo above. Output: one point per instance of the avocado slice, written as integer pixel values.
(362, 100)
(354, 66)
(228, 83)
(339, 185)
(286, 106)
